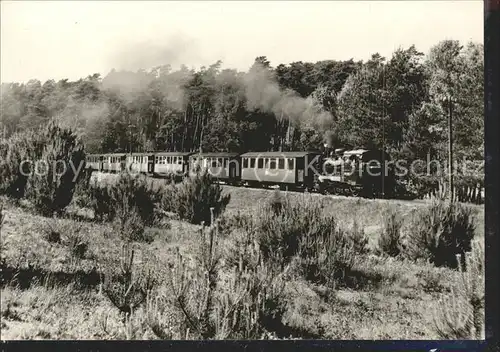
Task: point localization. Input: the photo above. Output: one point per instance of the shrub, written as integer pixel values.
(19, 147)
(359, 238)
(83, 196)
(129, 224)
(168, 197)
(462, 316)
(78, 245)
(53, 230)
(52, 190)
(130, 287)
(196, 195)
(389, 240)
(245, 304)
(100, 202)
(127, 193)
(301, 230)
(441, 231)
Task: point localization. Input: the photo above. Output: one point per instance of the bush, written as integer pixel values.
(127, 193)
(168, 197)
(129, 224)
(83, 196)
(129, 288)
(52, 190)
(13, 151)
(196, 195)
(242, 304)
(359, 238)
(301, 230)
(441, 231)
(462, 316)
(389, 240)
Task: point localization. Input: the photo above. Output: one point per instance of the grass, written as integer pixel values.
(57, 295)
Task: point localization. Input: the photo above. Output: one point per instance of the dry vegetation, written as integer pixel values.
(272, 266)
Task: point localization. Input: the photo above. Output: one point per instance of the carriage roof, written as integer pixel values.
(277, 154)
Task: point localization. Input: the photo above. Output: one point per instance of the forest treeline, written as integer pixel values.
(400, 103)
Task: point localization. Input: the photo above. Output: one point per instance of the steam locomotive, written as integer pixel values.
(359, 172)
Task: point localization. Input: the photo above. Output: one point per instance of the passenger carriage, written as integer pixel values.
(140, 162)
(286, 169)
(114, 162)
(171, 163)
(93, 161)
(222, 166)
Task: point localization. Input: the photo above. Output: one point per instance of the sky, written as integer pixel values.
(72, 39)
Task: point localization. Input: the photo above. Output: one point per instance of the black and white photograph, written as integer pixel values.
(242, 170)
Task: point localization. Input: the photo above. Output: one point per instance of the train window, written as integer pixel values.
(214, 162)
(252, 163)
(156, 160)
(290, 164)
(179, 160)
(260, 163)
(272, 164)
(226, 162)
(245, 163)
(220, 162)
(281, 163)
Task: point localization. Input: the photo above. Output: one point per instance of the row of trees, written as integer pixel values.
(398, 103)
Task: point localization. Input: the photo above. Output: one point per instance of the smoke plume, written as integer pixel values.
(264, 93)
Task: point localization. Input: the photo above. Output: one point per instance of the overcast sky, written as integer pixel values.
(70, 39)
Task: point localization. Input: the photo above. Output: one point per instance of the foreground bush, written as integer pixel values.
(299, 230)
(196, 195)
(440, 232)
(389, 240)
(82, 194)
(128, 192)
(52, 188)
(129, 287)
(129, 224)
(462, 316)
(242, 304)
(13, 151)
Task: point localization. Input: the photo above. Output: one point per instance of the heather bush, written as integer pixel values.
(359, 238)
(52, 188)
(209, 304)
(129, 224)
(128, 288)
(83, 196)
(461, 317)
(24, 146)
(389, 240)
(196, 195)
(168, 191)
(440, 232)
(128, 192)
(100, 201)
(300, 230)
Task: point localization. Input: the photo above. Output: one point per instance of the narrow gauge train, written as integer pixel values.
(351, 172)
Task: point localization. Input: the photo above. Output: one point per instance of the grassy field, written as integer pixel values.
(48, 292)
